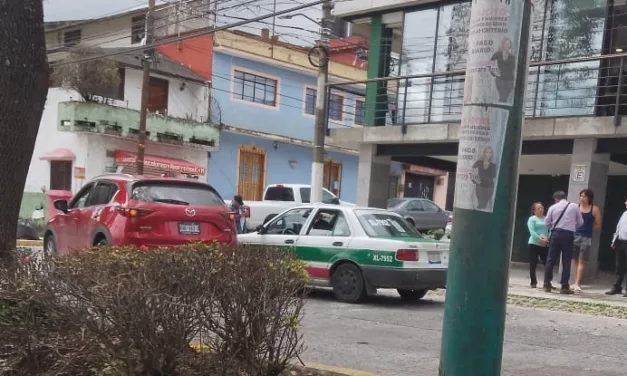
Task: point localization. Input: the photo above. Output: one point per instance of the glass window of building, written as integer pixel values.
(435, 41)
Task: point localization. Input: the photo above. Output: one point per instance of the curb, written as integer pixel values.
(30, 243)
(337, 370)
(597, 300)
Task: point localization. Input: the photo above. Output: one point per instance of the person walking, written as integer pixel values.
(538, 241)
(619, 245)
(563, 219)
(583, 236)
(237, 206)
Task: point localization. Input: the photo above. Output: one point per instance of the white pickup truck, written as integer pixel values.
(280, 197)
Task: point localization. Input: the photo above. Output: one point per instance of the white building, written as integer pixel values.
(79, 140)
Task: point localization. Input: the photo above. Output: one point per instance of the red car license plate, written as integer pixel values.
(189, 228)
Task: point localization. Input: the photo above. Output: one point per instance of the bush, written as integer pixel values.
(123, 311)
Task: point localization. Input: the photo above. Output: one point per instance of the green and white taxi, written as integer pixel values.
(357, 250)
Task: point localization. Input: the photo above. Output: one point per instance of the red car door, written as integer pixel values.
(94, 215)
(72, 238)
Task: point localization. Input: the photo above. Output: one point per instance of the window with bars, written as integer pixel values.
(310, 101)
(360, 111)
(72, 38)
(253, 88)
(138, 27)
(336, 107)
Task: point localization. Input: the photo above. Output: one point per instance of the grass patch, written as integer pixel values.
(559, 305)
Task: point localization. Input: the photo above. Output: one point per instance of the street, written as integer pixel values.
(387, 336)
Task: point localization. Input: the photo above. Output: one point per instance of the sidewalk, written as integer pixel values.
(593, 291)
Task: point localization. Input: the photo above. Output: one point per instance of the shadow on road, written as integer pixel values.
(387, 299)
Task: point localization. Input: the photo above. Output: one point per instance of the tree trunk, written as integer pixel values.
(24, 77)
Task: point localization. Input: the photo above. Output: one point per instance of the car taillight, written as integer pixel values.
(133, 212)
(407, 255)
(450, 218)
(230, 216)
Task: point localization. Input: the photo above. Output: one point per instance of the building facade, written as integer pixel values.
(266, 91)
(80, 139)
(576, 96)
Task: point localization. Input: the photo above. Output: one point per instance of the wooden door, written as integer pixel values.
(251, 173)
(332, 176)
(158, 95)
(61, 175)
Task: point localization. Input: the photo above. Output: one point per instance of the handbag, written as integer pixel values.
(558, 221)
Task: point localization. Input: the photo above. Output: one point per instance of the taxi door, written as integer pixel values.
(282, 231)
(327, 235)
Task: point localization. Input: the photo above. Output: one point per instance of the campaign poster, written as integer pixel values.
(494, 40)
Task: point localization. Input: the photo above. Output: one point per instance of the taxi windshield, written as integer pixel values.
(385, 225)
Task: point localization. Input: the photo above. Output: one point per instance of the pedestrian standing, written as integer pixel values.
(583, 236)
(237, 206)
(563, 219)
(538, 240)
(619, 245)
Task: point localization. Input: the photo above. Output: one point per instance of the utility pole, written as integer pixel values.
(486, 188)
(146, 61)
(317, 167)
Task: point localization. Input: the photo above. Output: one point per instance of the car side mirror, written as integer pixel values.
(260, 229)
(61, 205)
(335, 201)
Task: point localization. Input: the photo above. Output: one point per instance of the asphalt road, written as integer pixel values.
(387, 336)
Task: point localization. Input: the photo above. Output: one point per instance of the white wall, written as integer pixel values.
(191, 101)
(90, 150)
(116, 32)
(49, 139)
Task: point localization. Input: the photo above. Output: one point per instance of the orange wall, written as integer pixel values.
(195, 53)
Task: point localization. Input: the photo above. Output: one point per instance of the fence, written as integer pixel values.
(589, 86)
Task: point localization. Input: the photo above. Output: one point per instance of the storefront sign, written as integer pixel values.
(79, 173)
(494, 39)
(123, 158)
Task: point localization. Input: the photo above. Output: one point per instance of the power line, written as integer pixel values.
(191, 34)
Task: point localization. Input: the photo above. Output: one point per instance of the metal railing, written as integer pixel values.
(587, 86)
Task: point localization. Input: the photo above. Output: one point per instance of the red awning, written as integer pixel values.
(124, 158)
(59, 155)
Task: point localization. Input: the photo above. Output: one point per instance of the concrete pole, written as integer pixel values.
(317, 167)
(486, 187)
(147, 61)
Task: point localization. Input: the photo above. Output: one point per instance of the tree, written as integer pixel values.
(24, 81)
(89, 78)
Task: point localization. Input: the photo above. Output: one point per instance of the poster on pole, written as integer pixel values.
(493, 42)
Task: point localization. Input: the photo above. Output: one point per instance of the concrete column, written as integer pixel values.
(373, 177)
(588, 171)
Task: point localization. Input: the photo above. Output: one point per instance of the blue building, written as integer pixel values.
(267, 109)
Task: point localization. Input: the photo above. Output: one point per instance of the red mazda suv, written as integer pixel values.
(120, 209)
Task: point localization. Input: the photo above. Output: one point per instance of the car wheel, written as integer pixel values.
(348, 284)
(412, 294)
(50, 246)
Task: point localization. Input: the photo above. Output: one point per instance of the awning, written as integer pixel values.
(124, 158)
(59, 155)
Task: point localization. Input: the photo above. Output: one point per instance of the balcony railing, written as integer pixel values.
(124, 122)
(590, 86)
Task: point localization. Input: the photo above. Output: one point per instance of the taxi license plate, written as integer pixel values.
(189, 228)
(434, 257)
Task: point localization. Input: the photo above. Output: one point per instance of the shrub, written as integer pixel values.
(114, 311)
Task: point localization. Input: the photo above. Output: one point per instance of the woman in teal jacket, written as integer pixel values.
(538, 240)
